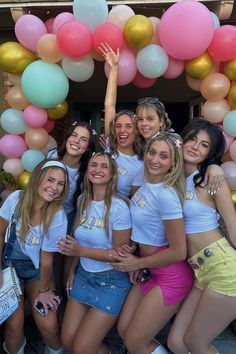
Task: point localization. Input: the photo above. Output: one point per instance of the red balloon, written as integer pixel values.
(110, 34)
(141, 81)
(74, 39)
(49, 24)
(49, 125)
(223, 45)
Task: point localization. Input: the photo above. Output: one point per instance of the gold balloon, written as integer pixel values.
(138, 31)
(233, 195)
(230, 69)
(14, 58)
(23, 179)
(199, 67)
(59, 111)
(232, 96)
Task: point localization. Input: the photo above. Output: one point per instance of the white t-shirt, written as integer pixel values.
(92, 233)
(129, 172)
(36, 240)
(150, 206)
(73, 177)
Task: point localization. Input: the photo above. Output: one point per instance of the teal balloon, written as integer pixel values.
(91, 12)
(215, 20)
(12, 121)
(44, 85)
(152, 61)
(229, 123)
(31, 158)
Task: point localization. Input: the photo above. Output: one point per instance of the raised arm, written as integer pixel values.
(112, 59)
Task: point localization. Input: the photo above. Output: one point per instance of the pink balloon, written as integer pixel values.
(229, 169)
(49, 125)
(214, 111)
(28, 30)
(186, 29)
(141, 81)
(228, 138)
(223, 45)
(35, 117)
(127, 67)
(12, 146)
(155, 24)
(74, 39)
(60, 19)
(110, 34)
(232, 150)
(49, 24)
(175, 68)
(13, 166)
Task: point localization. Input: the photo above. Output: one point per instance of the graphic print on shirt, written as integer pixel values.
(140, 200)
(91, 221)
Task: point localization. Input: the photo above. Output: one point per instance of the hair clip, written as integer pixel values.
(94, 132)
(171, 130)
(178, 143)
(74, 123)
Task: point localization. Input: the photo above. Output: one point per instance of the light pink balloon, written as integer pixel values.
(228, 138)
(62, 18)
(52, 144)
(194, 84)
(35, 117)
(232, 150)
(13, 166)
(12, 146)
(186, 29)
(214, 112)
(49, 24)
(127, 67)
(155, 24)
(141, 81)
(175, 68)
(28, 30)
(229, 169)
(119, 15)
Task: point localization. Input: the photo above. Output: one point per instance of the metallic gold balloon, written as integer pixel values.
(23, 179)
(199, 67)
(230, 69)
(138, 31)
(233, 195)
(14, 58)
(59, 111)
(232, 96)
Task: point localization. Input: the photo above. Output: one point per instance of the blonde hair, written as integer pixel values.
(175, 177)
(87, 196)
(28, 198)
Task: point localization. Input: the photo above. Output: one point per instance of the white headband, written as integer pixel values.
(54, 163)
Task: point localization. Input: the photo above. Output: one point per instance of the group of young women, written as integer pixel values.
(140, 229)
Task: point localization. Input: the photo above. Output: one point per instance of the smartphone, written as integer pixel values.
(145, 276)
(39, 306)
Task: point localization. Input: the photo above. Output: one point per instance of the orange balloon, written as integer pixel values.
(194, 84)
(215, 111)
(16, 99)
(215, 87)
(96, 55)
(36, 139)
(48, 49)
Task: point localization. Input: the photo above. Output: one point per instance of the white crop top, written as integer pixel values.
(198, 217)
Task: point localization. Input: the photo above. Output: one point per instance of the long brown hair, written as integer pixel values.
(87, 196)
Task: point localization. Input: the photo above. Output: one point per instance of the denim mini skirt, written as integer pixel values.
(105, 291)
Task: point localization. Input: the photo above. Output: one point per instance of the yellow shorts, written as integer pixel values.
(215, 267)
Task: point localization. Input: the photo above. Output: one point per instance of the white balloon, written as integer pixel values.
(120, 14)
(80, 69)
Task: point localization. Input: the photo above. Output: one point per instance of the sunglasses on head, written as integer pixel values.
(151, 100)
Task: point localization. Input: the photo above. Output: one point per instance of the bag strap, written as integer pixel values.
(11, 230)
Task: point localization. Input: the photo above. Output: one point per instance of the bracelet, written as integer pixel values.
(44, 291)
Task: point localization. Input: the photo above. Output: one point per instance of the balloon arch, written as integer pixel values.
(188, 37)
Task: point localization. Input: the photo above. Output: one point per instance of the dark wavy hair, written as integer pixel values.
(217, 148)
(84, 158)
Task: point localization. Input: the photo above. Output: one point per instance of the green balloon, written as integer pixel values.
(44, 85)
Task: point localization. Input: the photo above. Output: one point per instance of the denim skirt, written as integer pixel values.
(105, 291)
